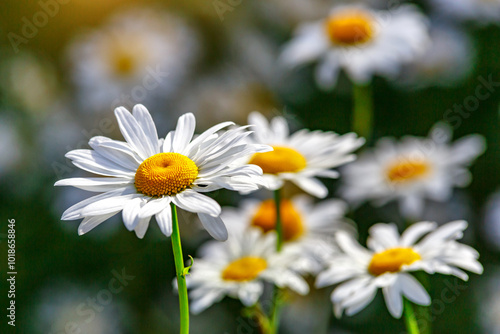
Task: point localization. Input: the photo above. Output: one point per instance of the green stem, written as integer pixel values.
(279, 227)
(275, 311)
(362, 118)
(179, 269)
(274, 320)
(410, 319)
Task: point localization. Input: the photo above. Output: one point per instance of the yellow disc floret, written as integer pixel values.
(281, 160)
(165, 174)
(244, 269)
(350, 27)
(392, 260)
(407, 170)
(291, 220)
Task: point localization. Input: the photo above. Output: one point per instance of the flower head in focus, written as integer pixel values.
(239, 267)
(143, 175)
(411, 170)
(302, 156)
(362, 41)
(388, 261)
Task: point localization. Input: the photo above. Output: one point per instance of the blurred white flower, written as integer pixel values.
(239, 267)
(138, 56)
(143, 175)
(307, 226)
(388, 261)
(302, 156)
(411, 170)
(362, 41)
(30, 83)
(491, 223)
(487, 296)
(448, 59)
(66, 307)
(480, 11)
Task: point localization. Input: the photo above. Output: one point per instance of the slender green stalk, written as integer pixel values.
(180, 272)
(274, 320)
(410, 319)
(279, 227)
(362, 118)
(275, 311)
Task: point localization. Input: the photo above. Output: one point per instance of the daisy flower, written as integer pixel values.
(480, 11)
(412, 170)
(239, 267)
(362, 41)
(302, 156)
(137, 57)
(143, 175)
(388, 261)
(305, 225)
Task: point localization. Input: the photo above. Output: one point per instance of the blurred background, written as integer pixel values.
(66, 64)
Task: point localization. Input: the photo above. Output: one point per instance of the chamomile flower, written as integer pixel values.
(239, 267)
(412, 170)
(362, 41)
(305, 225)
(143, 175)
(302, 156)
(138, 56)
(479, 11)
(388, 261)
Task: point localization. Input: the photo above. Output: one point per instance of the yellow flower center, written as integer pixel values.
(281, 160)
(124, 64)
(392, 260)
(350, 27)
(291, 221)
(244, 269)
(408, 170)
(165, 174)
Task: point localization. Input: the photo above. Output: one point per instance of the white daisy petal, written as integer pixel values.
(250, 293)
(141, 227)
(133, 133)
(415, 232)
(413, 290)
(183, 132)
(164, 219)
(74, 212)
(214, 226)
(393, 299)
(99, 184)
(93, 221)
(312, 186)
(130, 213)
(154, 206)
(209, 297)
(145, 120)
(193, 201)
